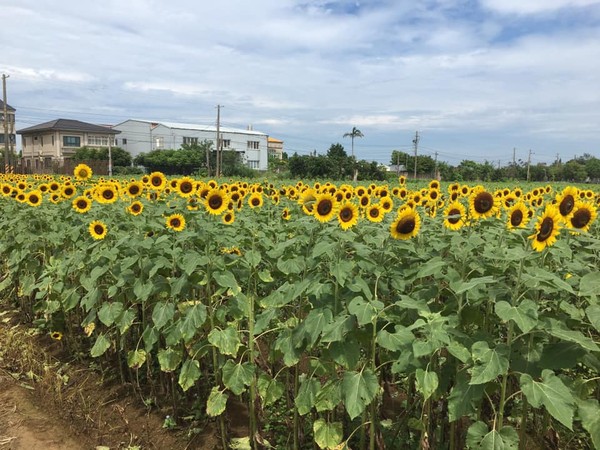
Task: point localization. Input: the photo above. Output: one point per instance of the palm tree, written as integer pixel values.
(355, 133)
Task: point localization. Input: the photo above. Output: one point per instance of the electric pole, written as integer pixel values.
(5, 120)
(416, 143)
(218, 168)
(528, 164)
(110, 164)
(435, 170)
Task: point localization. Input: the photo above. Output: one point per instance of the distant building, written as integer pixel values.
(58, 140)
(275, 147)
(143, 136)
(10, 120)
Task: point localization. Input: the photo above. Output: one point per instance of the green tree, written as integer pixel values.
(120, 157)
(574, 171)
(355, 133)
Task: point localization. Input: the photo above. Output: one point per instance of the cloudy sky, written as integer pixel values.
(476, 78)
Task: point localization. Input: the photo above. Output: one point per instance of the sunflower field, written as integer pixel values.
(339, 316)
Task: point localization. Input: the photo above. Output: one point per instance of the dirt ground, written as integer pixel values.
(50, 403)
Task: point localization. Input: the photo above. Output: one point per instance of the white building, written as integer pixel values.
(143, 136)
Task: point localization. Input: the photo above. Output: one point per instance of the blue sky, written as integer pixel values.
(476, 78)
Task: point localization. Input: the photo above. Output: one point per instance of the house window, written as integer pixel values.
(159, 142)
(253, 145)
(124, 141)
(70, 141)
(190, 140)
(52, 140)
(99, 141)
(253, 164)
(226, 143)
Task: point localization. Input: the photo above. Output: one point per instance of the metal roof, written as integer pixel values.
(196, 127)
(68, 125)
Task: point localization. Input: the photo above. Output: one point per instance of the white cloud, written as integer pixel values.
(534, 6)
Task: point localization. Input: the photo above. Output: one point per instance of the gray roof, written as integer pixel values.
(8, 107)
(68, 125)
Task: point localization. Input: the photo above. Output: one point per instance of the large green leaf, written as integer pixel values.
(336, 330)
(589, 285)
(136, 358)
(194, 318)
(307, 394)
(126, 320)
(525, 315)
(110, 312)
(401, 337)
(100, 346)
(427, 382)
(169, 359)
(489, 363)
(226, 340)
(464, 398)
(559, 329)
(189, 374)
(269, 389)
(237, 376)
(364, 311)
(329, 396)
(217, 400)
(315, 322)
(589, 413)
(593, 314)
(327, 435)
(359, 389)
(162, 313)
(478, 438)
(286, 345)
(552, 393)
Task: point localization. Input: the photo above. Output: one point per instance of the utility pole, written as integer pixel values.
(435, 170)
(514, 164)
(5, 120)
(557, 159)
(528, 164)
(110, 156)
(218, 168)
(397, 163)
(416, 143)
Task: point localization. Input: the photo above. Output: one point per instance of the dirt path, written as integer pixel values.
(26, 426)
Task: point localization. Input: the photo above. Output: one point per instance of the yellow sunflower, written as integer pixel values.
(106, 193)
(82, 204)
(186, 187)
(325, 207)
(135, 208)
(387, 204)
(347, 215)
(566, 200)
(228, 218)
(157, 181)
(518, 216)
(56, 335)
(285, 214)
(482, 204)
(375, 213)
(255, 200)
(34, 198)
(176, 222)
(82, 172)
(67, 191)
(216, 201)
(406, 225)
(547, 228)
(307, 201)
(455, 215)
(582, 216)
(134, 189)
(98, 229)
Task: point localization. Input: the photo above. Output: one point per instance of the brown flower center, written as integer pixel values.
(581, 218)
(483, 202)
(545, 229)
(566, 205)
(516, 218)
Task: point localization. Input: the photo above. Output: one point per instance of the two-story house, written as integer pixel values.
(10, 121)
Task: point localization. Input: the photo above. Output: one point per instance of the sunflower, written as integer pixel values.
(82, 204)
(68, 191)
(482, 204)
(455, 215)
(347, 215)
(134, 189)
(216, 201)
(518, 216)
(583, 215)
(374, 213)
(566, 200)
(54, 186)
(228, 218)
(255, 200)
(82, 172)
(434, 184)
(387, 204)
(176, 222)
(56, 335)
(98, 229)
(135, 208)
(406, 225)
(285, 214)
(546, 229)
(7, 189)
(325, 207)
(193, 204)
(364, 200)
(307, 201)
(401, 179)
(186, 187)
(157, 181)
(34, 198)
(106, 193)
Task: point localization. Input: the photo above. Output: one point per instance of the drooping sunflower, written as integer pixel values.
(228, 218)
(482, 204)
(285, 214)
(216, 201)
(547, 228)
(186, 187)
(517, 216)
(325, 207)
(34, 198)
(455, 216)
(82, 172)
(157, 181)
(98, 229)
(175, 222)
(347, 215)
(255, 200)
(375, 213)
(135, 208)
(583, 215)
(566, 200)
(406, 225)
(82, 204)
(307, 201)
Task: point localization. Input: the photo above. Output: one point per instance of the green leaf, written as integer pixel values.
(216, 403)
(150, 337)
(561, 355)
(552, 393)
(589, 285)
(459, 351)
(364, 311)
(489, 363)
(401, 337)
(525, 315)
(136, 358)
(110, 312)
(227, 280)
(291, 265)
(478, 438)
(329, 397)
(593, 314)
(253, 257)
(462, 286)
(464, 398)
(336, 330)
(589, 412)
(315, 322)
(327, 435)
(427, 382)
(227, 340)
(433, 266)
(142, 290)
(126, 320)
(168, 359)
(194, 318)
(237, 376)
(270, 390)
(341, 270)
(286, 345)
(559, 329)
(189, 374)
(345, 353)
(359, 389)
(163, 312)
(100, 346)
(307, 394)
